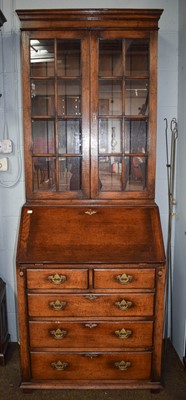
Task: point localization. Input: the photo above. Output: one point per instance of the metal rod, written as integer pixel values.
(171, 203)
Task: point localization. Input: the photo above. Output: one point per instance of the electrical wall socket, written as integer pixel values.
(6, 146)
(3, 164)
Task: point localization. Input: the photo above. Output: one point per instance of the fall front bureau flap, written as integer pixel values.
(98, 234)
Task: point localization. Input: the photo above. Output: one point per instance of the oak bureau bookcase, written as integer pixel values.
(90, 256)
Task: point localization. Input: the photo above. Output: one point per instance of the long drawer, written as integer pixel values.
(98, 305)
(91, 334)
(116, 366)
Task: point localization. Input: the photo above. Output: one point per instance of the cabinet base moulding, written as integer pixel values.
(28, 387)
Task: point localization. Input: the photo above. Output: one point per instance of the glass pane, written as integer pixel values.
(69, 136)
(68, 57)
(135, 136)
(42, 97)
(69, 97)
(69, 174)
(136, 100)
(110, 135)
(135, 171)
(43, 137)
(42, 57)
(110, 172)
(137, 57)
(44, 174)
(110, 58)
(110, 97)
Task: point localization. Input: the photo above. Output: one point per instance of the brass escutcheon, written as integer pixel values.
(57, 279)
(123, 304)
(124, 279)
(90, 212)
(91, 297)
(90, 325)
(123, 365)
(91, 355)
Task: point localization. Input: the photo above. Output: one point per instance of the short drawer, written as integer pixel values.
(99, 305)
(116, 366)
(124, 278)
(91, 334)
(57, 278)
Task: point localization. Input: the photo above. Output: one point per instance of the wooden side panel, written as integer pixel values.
(23, 324)
(158, 324)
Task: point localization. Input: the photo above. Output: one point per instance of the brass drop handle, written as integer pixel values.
(123, 304)
(59, 365)
(58, 333)
(123, 365)
(57, 305)
(123, 333)
(124, 278)
(57, 279)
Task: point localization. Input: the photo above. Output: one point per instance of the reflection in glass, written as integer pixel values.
(136, 100)
(68, 58)
(69, 174)
(135, 170)
(44, 174)
(69, 97)
(110, 97)
(42, 97)
(42, 57)
(69, 136)
(110, 172)
(135, 136)
(110, 135)
(43, 137)
(110, 58)
(137, 57)
(118, 174)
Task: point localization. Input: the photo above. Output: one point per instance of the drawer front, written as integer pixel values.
(124, 278)
(116, 366)
(98, 305)
(57, 279)
(91, 334)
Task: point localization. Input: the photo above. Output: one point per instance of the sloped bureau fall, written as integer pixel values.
(90, 256)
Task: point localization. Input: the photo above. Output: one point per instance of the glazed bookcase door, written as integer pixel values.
(56, 115)
(123, 104)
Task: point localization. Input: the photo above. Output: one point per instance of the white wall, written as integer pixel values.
(179, 276)
(13, 198)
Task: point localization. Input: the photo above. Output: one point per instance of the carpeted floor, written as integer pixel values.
(174, 384)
